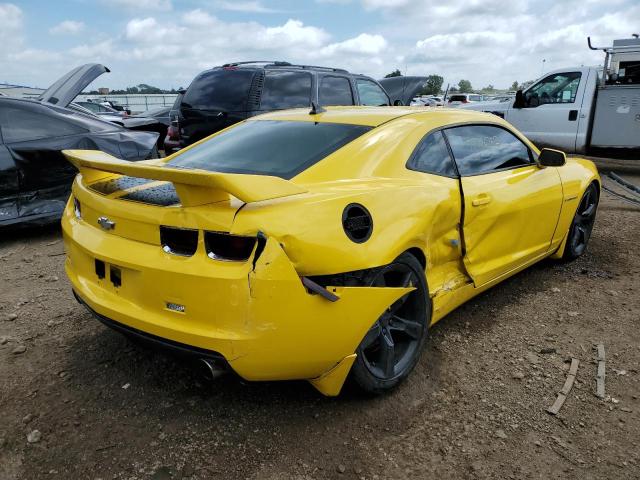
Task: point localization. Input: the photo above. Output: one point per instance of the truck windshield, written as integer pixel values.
(267, 147)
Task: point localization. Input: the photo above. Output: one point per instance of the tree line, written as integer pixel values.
(433, 85)
(141, 89)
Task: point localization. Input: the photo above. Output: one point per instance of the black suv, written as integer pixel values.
(233, 92)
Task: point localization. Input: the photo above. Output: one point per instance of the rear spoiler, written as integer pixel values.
(194, 187)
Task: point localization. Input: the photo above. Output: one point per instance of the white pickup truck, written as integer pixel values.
(579, 110)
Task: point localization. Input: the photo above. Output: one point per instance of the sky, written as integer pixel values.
(166, 43)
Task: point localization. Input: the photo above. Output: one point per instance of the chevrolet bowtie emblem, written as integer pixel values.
(106, 224)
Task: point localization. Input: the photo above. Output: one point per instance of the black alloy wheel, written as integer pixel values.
(582, 225)
(391, 348)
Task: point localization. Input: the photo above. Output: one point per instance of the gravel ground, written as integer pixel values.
(79, 401)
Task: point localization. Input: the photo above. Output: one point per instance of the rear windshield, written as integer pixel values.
(458, 98)
(222, 89)
(267, 147)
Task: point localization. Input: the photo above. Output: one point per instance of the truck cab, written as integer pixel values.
(582, 109)
(555, 111)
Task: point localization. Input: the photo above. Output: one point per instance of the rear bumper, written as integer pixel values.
(260, 319)
(164, 344)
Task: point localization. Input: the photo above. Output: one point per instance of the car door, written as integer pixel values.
(8, 185)
(34, 139)
(549, 116)
(511, 205)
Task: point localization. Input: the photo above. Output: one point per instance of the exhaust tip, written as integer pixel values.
(210, 369)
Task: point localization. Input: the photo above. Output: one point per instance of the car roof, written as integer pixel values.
(375, 116)
(264, 64)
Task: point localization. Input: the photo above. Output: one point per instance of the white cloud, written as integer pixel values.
(10, 16)
(485, 41)
(455, 43)
(11, 35)
(247, 7)
(362, 44)
(294, 33)
(149, 31)
(33, 55)
(149, 6)
(67, 27)
(198, 18)
(387, 4)
(94, 52)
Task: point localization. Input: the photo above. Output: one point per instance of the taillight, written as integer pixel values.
(179, 241)
(173, 132)
(77, 208)
(233, 248)
(465, 101)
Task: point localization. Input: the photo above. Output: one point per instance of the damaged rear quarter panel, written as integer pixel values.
(297, 334)
(309, 226)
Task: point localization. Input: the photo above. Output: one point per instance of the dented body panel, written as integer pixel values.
(516, 223)
(262, 320)
(257, 313)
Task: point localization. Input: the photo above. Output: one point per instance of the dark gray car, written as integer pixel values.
(35, 177)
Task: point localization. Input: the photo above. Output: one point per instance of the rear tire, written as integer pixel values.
(582, 224)
(391, 348)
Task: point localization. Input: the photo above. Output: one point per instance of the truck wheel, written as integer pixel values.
(391, 348)
(582, 225)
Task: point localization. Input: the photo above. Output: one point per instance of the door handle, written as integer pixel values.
(481, 199)
(573, 115)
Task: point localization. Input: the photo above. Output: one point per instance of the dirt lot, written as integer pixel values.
(474, 408)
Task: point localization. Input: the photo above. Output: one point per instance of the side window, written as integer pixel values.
(335, 91)
(94, 107)
(432, 156)
(19, 125)
(485, 148)
(286, 90)
(370, 93)
(556, 88)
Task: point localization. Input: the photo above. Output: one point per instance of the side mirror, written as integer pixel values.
(551, 158)
(519, 102)
(397, 103)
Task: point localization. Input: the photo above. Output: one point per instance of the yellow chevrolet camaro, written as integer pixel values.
(319, 245)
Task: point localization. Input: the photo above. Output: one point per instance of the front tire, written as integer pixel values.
(392, 347)
(582, 224)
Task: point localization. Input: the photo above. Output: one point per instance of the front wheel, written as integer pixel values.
(582, 225)
(391, 348)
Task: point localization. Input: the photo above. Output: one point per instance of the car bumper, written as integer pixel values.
(257, 314)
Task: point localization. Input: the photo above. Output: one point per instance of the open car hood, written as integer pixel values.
(403, 88)
(69, 86)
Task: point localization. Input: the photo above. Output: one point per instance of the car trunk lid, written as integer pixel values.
(69, 86)
(403, 88)
(137, 200)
